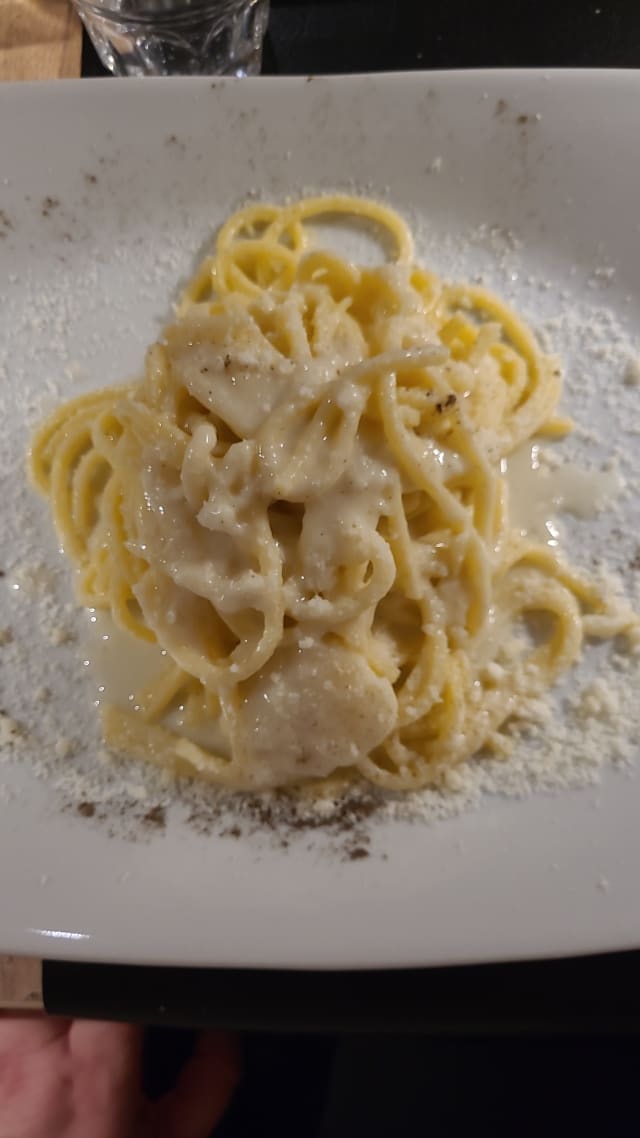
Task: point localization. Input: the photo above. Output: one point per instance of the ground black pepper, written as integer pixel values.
(155, 817)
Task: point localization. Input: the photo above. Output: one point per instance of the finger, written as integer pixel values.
(202, 1093)
(24, 1032)
(34, 1076)
(116, 1047)
(108, 1058)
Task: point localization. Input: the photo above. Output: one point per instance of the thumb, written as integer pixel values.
(202, 1093)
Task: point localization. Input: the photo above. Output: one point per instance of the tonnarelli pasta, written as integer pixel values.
(301, 502)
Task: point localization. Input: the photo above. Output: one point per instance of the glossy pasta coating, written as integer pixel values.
(302, 502)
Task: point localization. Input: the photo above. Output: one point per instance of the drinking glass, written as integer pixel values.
(177, 37)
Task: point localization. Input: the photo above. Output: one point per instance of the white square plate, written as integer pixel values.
(108, 192)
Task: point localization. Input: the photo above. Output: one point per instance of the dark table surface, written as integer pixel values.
(333, 36)
(581, 996)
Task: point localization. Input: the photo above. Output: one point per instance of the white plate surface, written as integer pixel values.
(109, 191)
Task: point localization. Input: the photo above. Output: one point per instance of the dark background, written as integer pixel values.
(331, 36)
(548, 1049)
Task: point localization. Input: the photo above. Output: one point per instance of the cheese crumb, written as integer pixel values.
(631, 376)
(32, 579)
(60, 634)
(11, 732)
(598, 701)
(64, 748)
(453, 780)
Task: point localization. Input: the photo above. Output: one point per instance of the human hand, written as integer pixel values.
(64, 1078)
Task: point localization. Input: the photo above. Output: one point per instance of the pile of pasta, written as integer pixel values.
(302, 503)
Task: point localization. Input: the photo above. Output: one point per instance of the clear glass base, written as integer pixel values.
(177, 37)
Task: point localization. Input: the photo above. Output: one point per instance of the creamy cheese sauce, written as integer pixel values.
(538, 493)
(306, 686)
(120, 666)
(329, 552)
